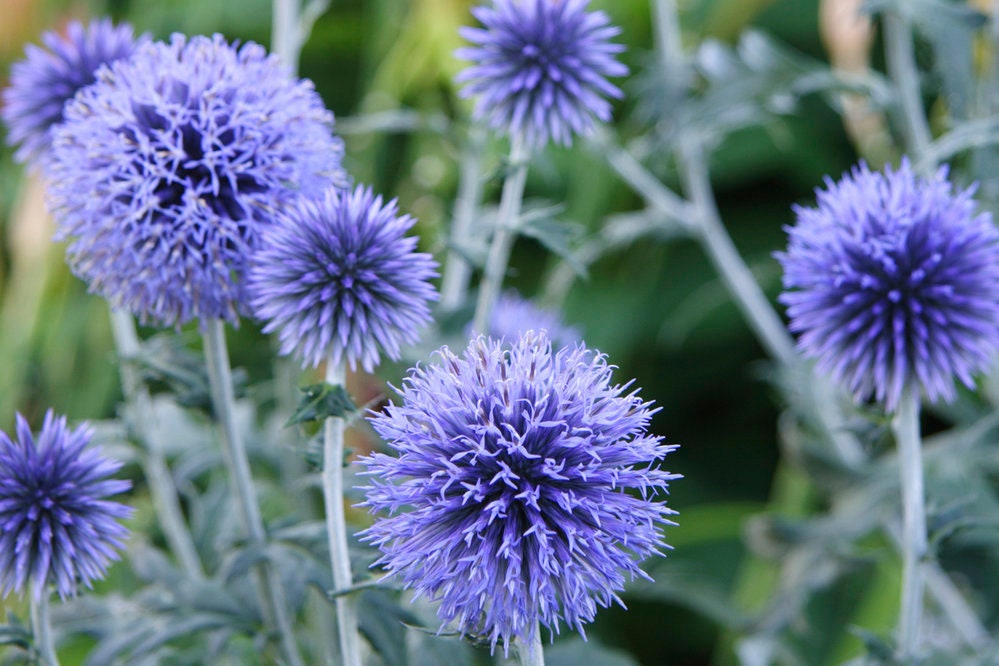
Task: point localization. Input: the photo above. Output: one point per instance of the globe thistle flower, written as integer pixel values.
(538, 68)
(514, 315)
(893, 281)
(56, 525)
(336, 278)
(513, 467)
(167, 169)
(42, 83)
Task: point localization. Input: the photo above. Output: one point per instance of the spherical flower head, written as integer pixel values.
(514, 315)
(168, 168)
(512, 473)
(538, 68)
(337, 279)
(56, 525)
(893, 283)
(42, 83)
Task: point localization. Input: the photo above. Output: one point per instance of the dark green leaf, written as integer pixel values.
(556, 235)
(576, 651)
(321, 401)
(381, 620)
(878, 648)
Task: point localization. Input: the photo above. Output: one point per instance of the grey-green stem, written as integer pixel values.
(532, 653)
(336, 526)
(141, 419)
(268, 584)
(503, 236)
(905, 424)
(457, 269)
(41, 627)
(901, 64)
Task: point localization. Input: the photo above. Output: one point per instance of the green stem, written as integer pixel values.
(457, 269)
(336, 526)
(41, 626)
(140, 416)
(268, 583)
(503, 236)
(905, 424)
(901, 64)
(532, 654)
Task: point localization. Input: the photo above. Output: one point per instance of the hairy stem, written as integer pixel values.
(140, 417)
(905, 424)
(41, 627)
(532, 653)
(336, 526)
(269, 589)
(503, 236)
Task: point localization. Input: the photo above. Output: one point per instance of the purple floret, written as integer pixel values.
(56, 524)
(337, 279)
(525, 488)
(892, 281)
(168, 168)
(539, 68)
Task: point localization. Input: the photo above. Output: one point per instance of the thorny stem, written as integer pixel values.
(140, 416)
(905, 424)
(268, 583)
(336, 526)
(457, 269)
(503, 236)
(41, 627)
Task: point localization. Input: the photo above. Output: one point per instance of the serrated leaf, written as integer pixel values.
(557, 236)
(15, 634)
(321, 401)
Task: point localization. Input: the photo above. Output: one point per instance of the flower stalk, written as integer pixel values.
(336, 525)
(905, 424)
(268, 583)
(504, 234)
(532, 653)
(41, 626)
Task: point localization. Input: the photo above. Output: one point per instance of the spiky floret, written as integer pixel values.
(508, 498)
(47, 78)
(56, 524)
(167, 169)
(892, 281)
(539, 68)
(337, 278)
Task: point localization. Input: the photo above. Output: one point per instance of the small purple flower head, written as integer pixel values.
(512, 473)
(56, 525)
(538, 68)
(42, 83)
(893, 282)
(514, 315)
(168, 168)
(337, 278)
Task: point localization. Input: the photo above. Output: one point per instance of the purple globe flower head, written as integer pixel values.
(508, 498)
(42, 83)
(893, 282)
(514, 315)
(337, 279)
(56, 524)
(168, 168)
(539, 68)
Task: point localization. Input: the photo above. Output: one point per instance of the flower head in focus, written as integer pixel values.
(892, 281)
(539, 68)
(514, 315)
(56, 524)
(167, 169)
(508, 496)
(337, 278)
(42, 83)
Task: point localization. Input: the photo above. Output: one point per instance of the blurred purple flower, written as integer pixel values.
(893, 280)
(56, 525)
(337, 277)
(539, 68)
(168, 168)
(42, 83)
(514, 315)
(511, 477)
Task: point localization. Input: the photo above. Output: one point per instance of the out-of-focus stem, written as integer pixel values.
(286, 41)
(336, 525)
(41, 627)
(503, 236)
(268, 584)
(140, 415)
(905, 425)
(901, 63)
(457, 269)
